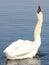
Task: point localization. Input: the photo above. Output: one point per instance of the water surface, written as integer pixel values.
(17, 21)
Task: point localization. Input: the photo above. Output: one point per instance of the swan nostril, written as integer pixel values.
(39, 9)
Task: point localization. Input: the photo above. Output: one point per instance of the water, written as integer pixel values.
(17, 21)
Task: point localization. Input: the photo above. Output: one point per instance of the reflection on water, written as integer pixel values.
(31, 61)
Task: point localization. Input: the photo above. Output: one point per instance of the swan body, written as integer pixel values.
(24, 48)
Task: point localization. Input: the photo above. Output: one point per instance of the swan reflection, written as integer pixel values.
(32, 61)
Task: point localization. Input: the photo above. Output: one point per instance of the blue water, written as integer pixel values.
(18, 20)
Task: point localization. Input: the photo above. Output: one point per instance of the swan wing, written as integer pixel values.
(26, 47)
(15, 45)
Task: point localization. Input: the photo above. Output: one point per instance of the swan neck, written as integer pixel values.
(38, 28)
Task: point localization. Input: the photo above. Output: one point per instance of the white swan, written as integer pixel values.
(24, 48)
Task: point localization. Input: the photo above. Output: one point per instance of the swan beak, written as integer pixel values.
(39, 9)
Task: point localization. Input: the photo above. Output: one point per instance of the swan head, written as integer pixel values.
(39, 9)
(39, 14)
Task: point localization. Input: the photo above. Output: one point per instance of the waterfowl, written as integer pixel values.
(21, 49)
